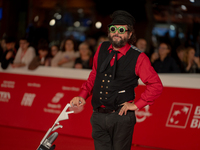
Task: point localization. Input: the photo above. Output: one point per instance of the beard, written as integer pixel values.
(118, 44)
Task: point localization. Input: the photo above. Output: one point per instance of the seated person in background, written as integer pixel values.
(67, 56)
(85, 60)
(9, 55)
(2, 47)
(154, 56)
(40, 60)
(141, 44)
(52, 54)
(190, 62)
(100, 40)
(25, 54)
(165, 63)
(180, 51)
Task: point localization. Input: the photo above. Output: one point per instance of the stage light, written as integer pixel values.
(180, 16)
(183, 7)
(36, 18)
(57, 16)
(77, 24)
(98, 24)
(52, 22)
(172, 27)
(80, 10)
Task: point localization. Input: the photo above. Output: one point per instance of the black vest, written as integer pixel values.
(113, 92)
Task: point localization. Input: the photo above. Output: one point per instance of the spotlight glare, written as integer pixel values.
(80, 10)
(98, 24)
(52, 22)
(36, 18)
(58, 17)
(183, 7)
(77, 24)
(172, 27)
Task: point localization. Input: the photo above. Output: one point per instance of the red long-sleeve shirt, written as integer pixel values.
(143, 69)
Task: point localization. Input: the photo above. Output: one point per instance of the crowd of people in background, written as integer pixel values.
(184, 60)
(66, 55)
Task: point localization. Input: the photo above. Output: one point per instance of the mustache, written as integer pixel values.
(116, 36)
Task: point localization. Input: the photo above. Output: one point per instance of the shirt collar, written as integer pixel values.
(122, 50)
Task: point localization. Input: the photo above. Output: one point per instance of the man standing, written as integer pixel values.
(116, 69)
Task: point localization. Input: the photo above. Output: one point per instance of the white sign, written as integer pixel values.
(54, 107)
(4, 96)
(28, 99)
(8, 84)
(196, 118)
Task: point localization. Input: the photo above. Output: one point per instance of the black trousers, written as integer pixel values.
(111, 131)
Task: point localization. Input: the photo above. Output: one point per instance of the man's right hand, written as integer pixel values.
(77, 101)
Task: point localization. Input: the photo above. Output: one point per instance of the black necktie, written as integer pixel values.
(107, 62)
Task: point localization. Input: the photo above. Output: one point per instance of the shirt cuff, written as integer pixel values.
(84, 94)
(140, 103)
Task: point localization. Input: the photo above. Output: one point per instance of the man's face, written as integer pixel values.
(10, 46)
(119, 40)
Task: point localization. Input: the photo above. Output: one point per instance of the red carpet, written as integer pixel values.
(22, 139)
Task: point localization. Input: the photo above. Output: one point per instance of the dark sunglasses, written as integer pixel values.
(121, 29)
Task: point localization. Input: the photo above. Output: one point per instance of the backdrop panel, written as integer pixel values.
(34, 99)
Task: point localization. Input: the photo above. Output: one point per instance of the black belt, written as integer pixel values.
(106, 110)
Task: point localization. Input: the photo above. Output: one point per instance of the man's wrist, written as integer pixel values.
(135, 107)
(83, 94)
(81, 97)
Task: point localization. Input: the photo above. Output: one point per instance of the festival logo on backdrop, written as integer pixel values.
(54, 107)
(28, 99)
(4, 96)
(142, 114)
(179, 115)
(8, 84)
(196, 118)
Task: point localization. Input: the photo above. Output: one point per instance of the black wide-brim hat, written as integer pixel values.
(121, 17)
